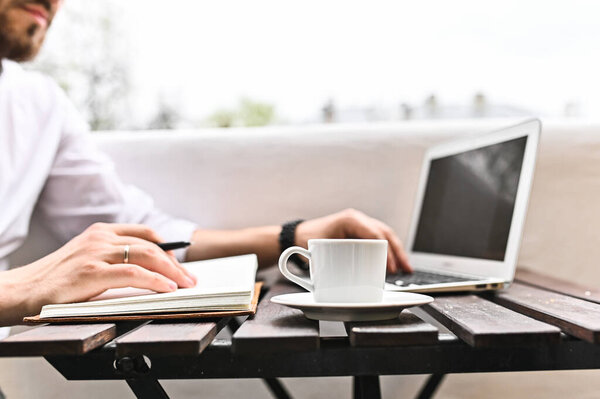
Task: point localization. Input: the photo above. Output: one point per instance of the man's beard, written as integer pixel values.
(20, 46)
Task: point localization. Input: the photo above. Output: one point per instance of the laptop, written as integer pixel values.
(470, 210)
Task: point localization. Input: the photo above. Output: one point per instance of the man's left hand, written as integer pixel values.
(351, 223)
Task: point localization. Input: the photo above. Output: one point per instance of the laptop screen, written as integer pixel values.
(469, 201)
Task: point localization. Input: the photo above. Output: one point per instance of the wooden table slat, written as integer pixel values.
(481, 323)
(58, 340)
(276, 327)
(184, 338)
(550, 283)
(575, 316)
(408, 329)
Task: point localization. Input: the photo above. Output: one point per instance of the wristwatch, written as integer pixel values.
(287, 239)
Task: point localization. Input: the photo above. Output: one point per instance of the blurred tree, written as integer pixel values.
(166, 117)
(87, 55)
(406, 111)
(248, 113)
(223, 118)
(431, 106)
(329, 111)
(254, 113)
(480, 105)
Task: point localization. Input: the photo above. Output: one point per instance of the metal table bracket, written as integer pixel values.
(139, 378)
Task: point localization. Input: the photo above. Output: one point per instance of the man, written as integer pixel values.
(48, 162)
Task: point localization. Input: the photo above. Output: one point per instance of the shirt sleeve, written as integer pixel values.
(83, 188)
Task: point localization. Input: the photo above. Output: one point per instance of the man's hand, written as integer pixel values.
(351, 223)
(90, 264)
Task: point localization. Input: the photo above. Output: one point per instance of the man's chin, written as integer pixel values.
(23, 57)
(23, 50)
(22, 54)
(20, 42)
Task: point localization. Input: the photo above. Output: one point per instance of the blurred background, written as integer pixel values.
(145, 64)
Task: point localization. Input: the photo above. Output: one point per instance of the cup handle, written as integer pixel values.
(283, 259)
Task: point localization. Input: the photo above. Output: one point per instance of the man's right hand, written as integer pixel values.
(88, 265)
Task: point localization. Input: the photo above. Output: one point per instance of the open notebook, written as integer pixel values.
(224, 284)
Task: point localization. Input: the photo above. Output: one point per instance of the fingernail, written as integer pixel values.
(172, 285)
(189, 282)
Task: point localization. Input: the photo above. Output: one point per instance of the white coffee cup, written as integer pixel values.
(341, 270)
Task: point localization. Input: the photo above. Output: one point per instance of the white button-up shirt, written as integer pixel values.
(47, 161)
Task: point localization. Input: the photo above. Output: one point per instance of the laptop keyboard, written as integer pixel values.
(421, 278)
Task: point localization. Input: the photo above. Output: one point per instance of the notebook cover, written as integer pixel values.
(150, 316)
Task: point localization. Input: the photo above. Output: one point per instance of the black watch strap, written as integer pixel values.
(287, 238)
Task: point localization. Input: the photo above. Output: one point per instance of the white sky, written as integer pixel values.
(204, 55)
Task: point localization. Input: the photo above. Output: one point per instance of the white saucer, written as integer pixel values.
(389, 308)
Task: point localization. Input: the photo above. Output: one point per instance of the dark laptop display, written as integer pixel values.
(469, 201)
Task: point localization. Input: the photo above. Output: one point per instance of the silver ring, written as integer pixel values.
(126, 254)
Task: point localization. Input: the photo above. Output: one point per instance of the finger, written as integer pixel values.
(191, 275)
(151, 257)
(397, 249)
(365, 231)
(136, 230)
(128, 275)
(124, 240)
(392, 267)
(184, 269)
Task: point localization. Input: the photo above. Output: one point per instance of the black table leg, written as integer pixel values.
(146, 388)
(140, 380)
(277, 388)
(233, 324)
(367, 387)
(432, 384)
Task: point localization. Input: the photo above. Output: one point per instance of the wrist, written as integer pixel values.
(19, 297)
(261, 241)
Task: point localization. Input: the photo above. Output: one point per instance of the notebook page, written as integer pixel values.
(236, 273)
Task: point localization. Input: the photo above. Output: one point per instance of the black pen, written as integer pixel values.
(169, 246)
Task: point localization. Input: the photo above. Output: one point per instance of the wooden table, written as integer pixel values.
(540, 323)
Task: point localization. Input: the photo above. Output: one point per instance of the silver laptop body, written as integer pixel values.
(469, 212)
